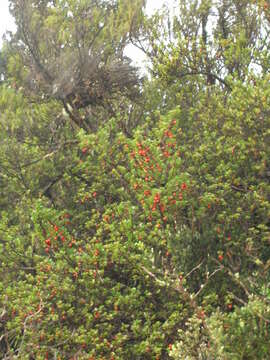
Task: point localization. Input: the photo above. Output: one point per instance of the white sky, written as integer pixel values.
(7, 23)
(6, 20)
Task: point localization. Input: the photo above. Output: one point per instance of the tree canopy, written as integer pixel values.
(134, 212)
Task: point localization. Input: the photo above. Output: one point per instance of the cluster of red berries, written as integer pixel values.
(52, 241)
(57, 235)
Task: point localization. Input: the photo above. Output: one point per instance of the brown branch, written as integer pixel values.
(41, 306)
(148, 272)
(79, 121)
(207, 280)
(194, 269)
(49, 155)
(235, 188)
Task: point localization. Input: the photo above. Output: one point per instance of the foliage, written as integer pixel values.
(135, 226)
(241, 334)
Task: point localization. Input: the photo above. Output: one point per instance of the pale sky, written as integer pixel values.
(6, 20)
(7, 23)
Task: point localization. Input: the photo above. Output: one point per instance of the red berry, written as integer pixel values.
(157, 198)
(162, 208)
(97, 315)
(184, 186)
(142, 152)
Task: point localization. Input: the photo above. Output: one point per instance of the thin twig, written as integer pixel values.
(194, 269)
(208, 278)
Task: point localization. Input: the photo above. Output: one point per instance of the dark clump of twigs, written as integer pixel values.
(89, 80)
(81, 73)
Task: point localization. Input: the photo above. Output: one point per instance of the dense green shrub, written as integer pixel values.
(135, 227)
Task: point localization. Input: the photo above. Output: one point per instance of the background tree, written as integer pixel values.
(71, 51)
